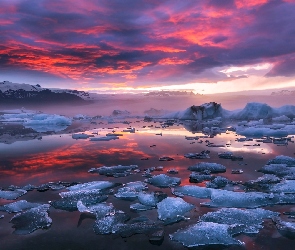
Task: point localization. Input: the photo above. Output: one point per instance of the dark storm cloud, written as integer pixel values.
(146, 40)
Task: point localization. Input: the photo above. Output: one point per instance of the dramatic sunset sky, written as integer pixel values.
(208, 46)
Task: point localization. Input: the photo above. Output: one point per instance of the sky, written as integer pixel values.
(207, 46)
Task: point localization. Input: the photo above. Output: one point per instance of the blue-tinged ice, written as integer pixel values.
(115, 171)
(151, 199)
(250, 220)
(12, 195)
(70, 199)
(206, 234)
(100, 210)
(106, 224)
(163, 181)
(130, 190)
(137, 207)
(194, 191)
(80, 136)
(172, 209)
(282, 159)
(287, 186)
(93, 185)
(208, 166)
(31, 220)
(18, 206)
(281, 170)
(218, 182)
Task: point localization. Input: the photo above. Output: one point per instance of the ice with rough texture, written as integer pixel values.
(115, 171)
(287, 186)
(18, 206)
(31, 220)
(194, 191)
(12, 195)
(224, 198)
(262, 182)
(281, 170)
(208, 166)
(206, 234)
(286, 228)
(93, 185)
(172, 209)
(218, 182)
(250, 220)
(282, 159)
(151, 199)
(197, 178)
(100, 210)
(130, 190)
(140, 207)
(70, 199)
(163, 181)
(106, 224)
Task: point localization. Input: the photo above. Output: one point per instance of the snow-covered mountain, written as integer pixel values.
(25, 92)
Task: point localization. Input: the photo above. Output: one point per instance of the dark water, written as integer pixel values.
(58, 157)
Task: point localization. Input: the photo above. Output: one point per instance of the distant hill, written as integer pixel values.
(26, 93)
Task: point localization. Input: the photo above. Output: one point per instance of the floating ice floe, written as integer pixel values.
(218, 182)
(206, 234)
(70, 199)
(114, 171)
(140, 207)
(263, 182)
(171, 209)
(106, 224)
(93, 185)
(130, 190)
(100, 210)
(194, 191)
(281, 170)
(18, 206)
(104, 138)
(163, 181)
(12, 195)
(208, 166)
(250, 220)
(80, 136)
(151, 199)
(287, 186)
(198, 178)
(223, 198)
(31, 220)
(282, 159)
(286, 228)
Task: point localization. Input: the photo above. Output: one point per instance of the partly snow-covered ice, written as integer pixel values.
(163, 181)
(31, 220)
(172, 209)
(206, 234)
(208, 166)
(100, 210)
(250, 220)
(12, 195)
(18, 206)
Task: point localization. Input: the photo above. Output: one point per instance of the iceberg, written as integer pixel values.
(31, 220)
(172, 209)
(250, 220)
(164, 181)
(18, 206)
(206, 234)
(208, 166)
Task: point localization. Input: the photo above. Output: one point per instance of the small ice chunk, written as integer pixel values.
(250, 219)
(140, 207)
(206, 234)
(218, 182)
(18, 206)
(104, 138)
(100, 210)
(157, 238)
(163, 181)
(12, 195)
(127, 193)
(115, 171)
(281, 170)
(263, 182)
(80, 136)
(31, 220)
(136, 185)
(282, 159)
(198, 178)
(194, 191)
(28, 187)
(172, 209)
(70, 199)
(151, 199)
(208, 166)
(106, 224)
(1, 216)
(93, 185)
(286, 228)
